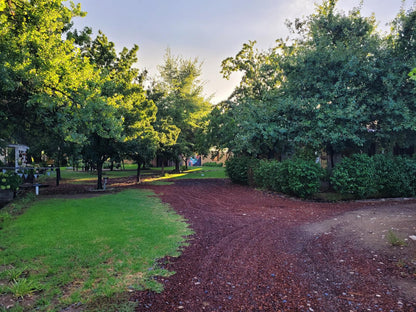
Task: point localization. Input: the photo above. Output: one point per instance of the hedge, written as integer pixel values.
(237, 168)
(377, 176)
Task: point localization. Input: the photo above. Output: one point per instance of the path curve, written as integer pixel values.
(251, 251)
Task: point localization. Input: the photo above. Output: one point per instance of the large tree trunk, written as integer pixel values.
(163, 167)
(100, 174)
(139, 165)
(177, 163)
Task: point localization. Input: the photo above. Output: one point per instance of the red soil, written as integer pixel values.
(252, 251)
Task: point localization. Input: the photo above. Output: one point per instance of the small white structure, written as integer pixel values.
(20, 155)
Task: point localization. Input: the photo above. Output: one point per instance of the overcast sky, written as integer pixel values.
(210, 30)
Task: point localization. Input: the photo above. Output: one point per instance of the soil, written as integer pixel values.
(254, 251)
(258, 251)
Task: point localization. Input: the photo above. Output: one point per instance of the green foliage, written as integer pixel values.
(303, 177)
(333, 86)
(238, 168)
(13, 273)
(412, 74)
(181, 105)
(268, 175)
(296, 176)
(378, 176)
(201, 173)
(5, 218)
(10, 181)
(355, 175)
(393, 176)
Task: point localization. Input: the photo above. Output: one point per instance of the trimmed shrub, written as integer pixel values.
(296, 177)
(410, 165)
(237, 168)
(378, 176)
(392, 176)
(355, 175)
(268, 175)
(303, 177)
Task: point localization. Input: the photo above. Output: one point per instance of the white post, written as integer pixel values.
(16, 158)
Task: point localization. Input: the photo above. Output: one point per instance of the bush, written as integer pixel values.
(303, 177)
(10, 181)
(296, 177)
(355, 175)
(237, 168)
(378, 176)
(410, 169)
(392, 176)
(268, 175)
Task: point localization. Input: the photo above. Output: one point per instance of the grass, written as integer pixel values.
(82, 177)
(395, 240)
(192, 173)
(91, 178)
(83, 250)
(204, 173)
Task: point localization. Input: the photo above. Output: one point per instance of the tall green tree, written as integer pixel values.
(181, 105)
(75, 90)
(42, 78)
(399, 118)
(337, 85)
(333, 75)
(122, 89)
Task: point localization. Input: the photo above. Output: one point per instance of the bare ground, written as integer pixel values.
(254, 251)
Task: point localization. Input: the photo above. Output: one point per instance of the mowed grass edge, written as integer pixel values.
(77, 250)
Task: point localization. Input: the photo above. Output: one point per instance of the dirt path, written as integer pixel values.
(259, 252)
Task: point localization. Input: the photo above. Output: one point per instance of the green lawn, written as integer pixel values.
(191, 173)
(66, 251)
(204, 173)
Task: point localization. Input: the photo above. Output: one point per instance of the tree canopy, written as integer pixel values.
(181, 106)
(337, 85)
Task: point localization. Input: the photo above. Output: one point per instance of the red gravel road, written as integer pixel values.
(250, 252)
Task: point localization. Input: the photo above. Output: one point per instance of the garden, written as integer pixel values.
(314, 209)
(74, 246)
(129, 247)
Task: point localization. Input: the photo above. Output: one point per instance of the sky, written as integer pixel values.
(208, 30)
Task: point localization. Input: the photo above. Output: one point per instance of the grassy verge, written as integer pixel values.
(83, 177)
(79, 250)
(204, 173)
(192, 173)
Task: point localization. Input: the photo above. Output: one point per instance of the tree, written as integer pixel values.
(400, 58)
(181, 105)
(333, 87)
(88, 95)
(129, 111)
(334, 77)
(41, 75)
